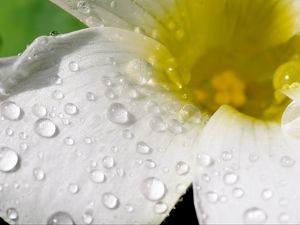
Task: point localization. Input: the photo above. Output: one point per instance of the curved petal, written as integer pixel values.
(246, 173)
(87, 136)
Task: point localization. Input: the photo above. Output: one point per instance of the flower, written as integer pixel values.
(110, 124)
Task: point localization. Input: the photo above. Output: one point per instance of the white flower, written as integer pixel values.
(105, 125)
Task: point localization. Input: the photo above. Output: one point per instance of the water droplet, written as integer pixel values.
(230, 178)
(57, 95)
(139, 71)
(152, 107)
(129, 208)
(284, 218)
(88, 217)
(158, 124)
(287, 161)
(182, 168)
(9, 159)
(205, 160)
(70, 109)
(110, 201)
(127, 134)
(113, 4)
(255, 216)
(73, 188)
(143, 148)
(39, 110)
(97, 176)
(45, 128)
(91, 96)
(110, 94)
(12, 214)
(238, 192)
(153, 189)
(190, 113)
(175, 126)
(73, 66)
(160, 207)
(60, 218)
(212, 196)
(226, 155)
(88, 140)
(39, 174)
(83, 7)
(9, 132)
(150, 164)
(69, 141)
(108, 162)
(266, 194)
(117, 113)
(11, 111)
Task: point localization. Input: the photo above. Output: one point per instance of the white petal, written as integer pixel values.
(80, 135)
(246, 174)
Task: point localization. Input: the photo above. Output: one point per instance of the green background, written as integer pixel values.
(21, 21)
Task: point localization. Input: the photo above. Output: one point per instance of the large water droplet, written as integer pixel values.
(255, 216)
(117, 113)
(97, 176)
(60, 218)
(10, 111)
(45, 128)
(153, 189)
(182, 168)
(71, 109)
(143, 148)
(110, 201)
(39, 110)
(12, 214)
(158, 124)
(9, 159)
(139, 71)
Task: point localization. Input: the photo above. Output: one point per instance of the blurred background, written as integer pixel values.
(21, 21)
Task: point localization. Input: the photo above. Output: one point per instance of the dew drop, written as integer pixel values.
(158, 124)
(73, 188)
(205, 160)
(266, 194)
(129, 208)
(88, 217)
(143, 148)
(57, 95)
(110, 201)
(45, 128)
(255, 216)
(60, 218)
(226, 155)
(238, 192)
(97, 176)
(230, 178)
(69, 141)
(117, 113)
(9, 159)
(152, 107)
(139, 71)
(71, 109)
(287, 161)
(153, 189)
(181, 189)
(190, 113)
(9, 132)
(212, 196)
(91, 96)
(175, 126)
(108, 162)
(110, 94)
(284, 218)
(38, 174)
(127, 134)
(73, 66)
(150, 163)
(160, 208)
(182, 168)
(11, 111)
(12, 214)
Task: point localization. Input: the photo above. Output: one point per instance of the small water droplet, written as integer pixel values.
(150, 164)
(190, 113)
(127, 134)
(9, 159)
(70, 109)
(205, 160)
(73, 66)
(287, 161)
(182, 168)
(212, 196)
(230, 178)
(266, 194)
(97, 176)
(152, 107)
(160, 208)
(73, 188)
(39, 174)
(57, 95)
(129, 208)
(88, 217)
(110, 94)
(238, 192)
(12, 214)
(143, 148)
(117, 113)
(69, 141)
(139, 71)
(158, 124)
(90, 96)
(108, 162)
(88, 140)
(60, 218)
(153, 189)
(45, 128)
(226, 155)
(110, 201)
(255, 216)
(9, 132)
(11, 111)
(284, 218)
(175, 126)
